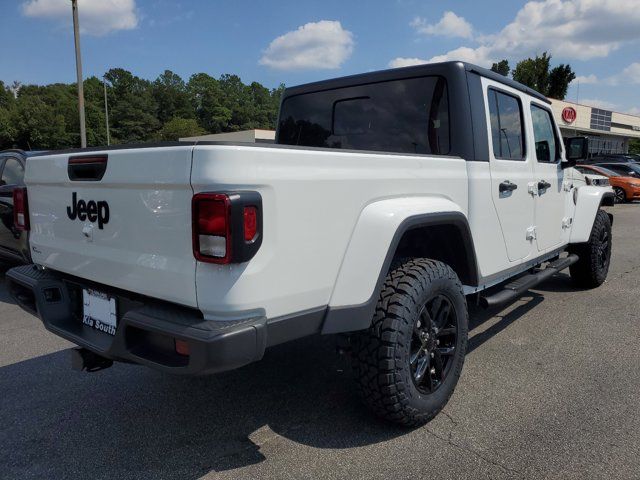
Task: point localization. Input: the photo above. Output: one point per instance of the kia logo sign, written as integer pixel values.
(569, 114)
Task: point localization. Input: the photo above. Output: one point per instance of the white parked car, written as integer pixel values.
(388, 198)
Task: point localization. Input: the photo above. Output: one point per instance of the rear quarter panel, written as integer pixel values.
(312, 200)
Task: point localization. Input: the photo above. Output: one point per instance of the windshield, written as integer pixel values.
(624, 169)
(405, 116)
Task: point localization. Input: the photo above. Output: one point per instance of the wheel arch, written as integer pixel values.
(450, 225)
(588, 201)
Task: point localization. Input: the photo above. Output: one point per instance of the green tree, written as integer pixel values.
(6, 96)
(236, 98)
(206, 95)
(634, 146)
(559, 79)
(170, 93)
(177, 128)
(38, 126)
(94, 112)
(132, 107)
(535, 73)
(502, 67)
(7, 129)
(46, 116)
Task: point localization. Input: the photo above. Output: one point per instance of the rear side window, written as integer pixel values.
(544, 136)
(403, 116)
(507, 134)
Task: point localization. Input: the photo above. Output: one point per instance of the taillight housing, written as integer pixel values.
(227, 226)
(20, 209)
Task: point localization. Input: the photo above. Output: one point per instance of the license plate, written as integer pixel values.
(99, 311)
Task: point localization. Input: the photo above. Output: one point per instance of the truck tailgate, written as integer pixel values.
(131, 229)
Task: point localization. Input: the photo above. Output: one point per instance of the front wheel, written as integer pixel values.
(408, 362)
(591, 269)
(619, 195)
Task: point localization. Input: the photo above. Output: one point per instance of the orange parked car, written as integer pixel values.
(627, 189)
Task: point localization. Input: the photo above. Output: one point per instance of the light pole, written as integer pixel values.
(106, 109)
(76, 36)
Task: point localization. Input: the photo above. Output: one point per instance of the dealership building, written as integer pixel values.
(608, 132)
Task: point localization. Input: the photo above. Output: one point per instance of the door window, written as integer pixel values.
(13, 172)
(544, 136)
(505, 112)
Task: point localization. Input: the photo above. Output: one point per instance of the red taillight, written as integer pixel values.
(20, 209)
(211, 227)
(212, 217)
(182, 347)
(227, 227)
(250, 215)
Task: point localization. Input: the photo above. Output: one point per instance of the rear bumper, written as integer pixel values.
(147, 329)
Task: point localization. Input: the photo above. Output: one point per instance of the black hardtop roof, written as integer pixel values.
(443, 68)
(22, 153)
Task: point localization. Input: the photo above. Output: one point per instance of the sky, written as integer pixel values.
(298, 41)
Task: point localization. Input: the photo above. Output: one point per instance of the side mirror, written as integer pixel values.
(576, 148)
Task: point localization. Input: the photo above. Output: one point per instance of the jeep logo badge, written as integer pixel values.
(91, 210)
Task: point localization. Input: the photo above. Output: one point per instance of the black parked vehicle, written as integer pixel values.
(613, 158)
(629, 169)
(14, 245)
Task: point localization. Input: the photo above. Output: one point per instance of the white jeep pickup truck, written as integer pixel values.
(387, 200)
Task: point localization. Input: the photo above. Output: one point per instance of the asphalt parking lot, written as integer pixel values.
(550, 389)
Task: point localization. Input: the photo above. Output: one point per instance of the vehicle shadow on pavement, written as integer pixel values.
(504, 316)
(131, 422)
(508, 314)
(560, 282)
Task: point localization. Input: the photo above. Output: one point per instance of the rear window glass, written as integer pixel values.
(404, 116)
(507, 136)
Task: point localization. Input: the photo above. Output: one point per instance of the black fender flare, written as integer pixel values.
(351, 318)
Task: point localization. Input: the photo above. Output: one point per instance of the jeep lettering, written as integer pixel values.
(91, 210)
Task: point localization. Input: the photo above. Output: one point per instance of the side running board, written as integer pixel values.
(514, 289)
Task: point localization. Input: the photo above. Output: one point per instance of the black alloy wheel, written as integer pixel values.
(433, 344)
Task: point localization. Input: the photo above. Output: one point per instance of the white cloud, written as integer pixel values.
(464, 54)
(586, 79)
(479, 56)
(406, 62)
(575, 29)
(630, 75)
(633, 111)
(320, 45)
(96, 17)
(450, 25)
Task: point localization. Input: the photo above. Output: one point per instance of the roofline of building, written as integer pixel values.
(593, 106)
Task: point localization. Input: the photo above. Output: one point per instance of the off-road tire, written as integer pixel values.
(381, 354)
(590, 271)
